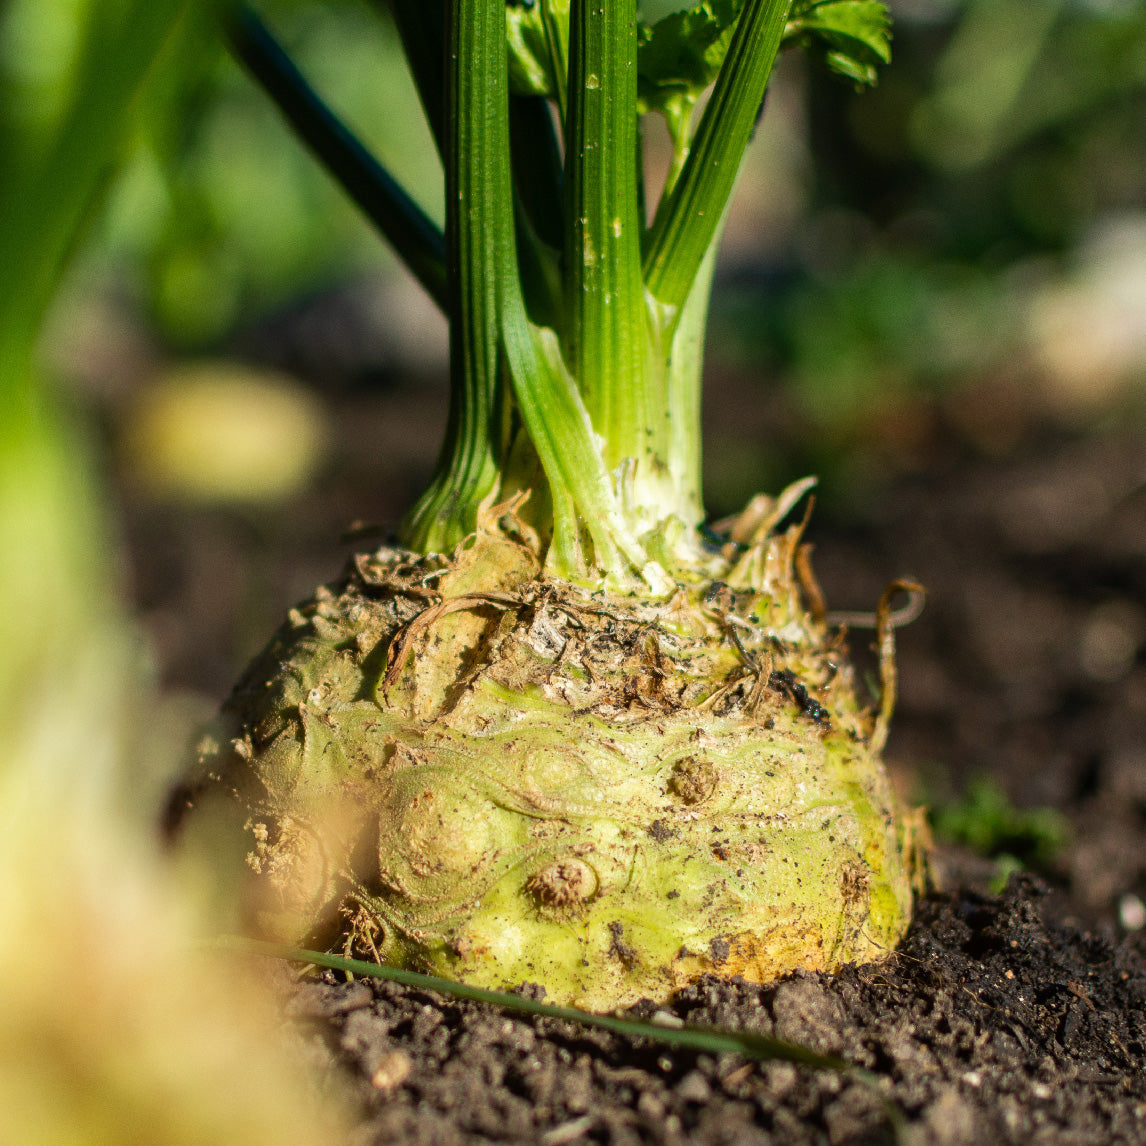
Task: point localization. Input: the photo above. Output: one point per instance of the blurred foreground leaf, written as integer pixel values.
(138, 1040)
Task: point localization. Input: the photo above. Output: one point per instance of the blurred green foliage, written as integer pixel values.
(58, 155)
(985, 820)
(939, 212)
(1010, 122)
(891, 325)
(217, 213)
(1003, 131)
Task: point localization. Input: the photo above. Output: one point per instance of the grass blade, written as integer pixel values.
(706, 1040)
(710, 1040)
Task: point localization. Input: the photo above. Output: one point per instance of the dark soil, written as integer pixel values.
(1028, 665)
(989, 1025)
(1016, 1018)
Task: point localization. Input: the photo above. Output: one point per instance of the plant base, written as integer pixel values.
(465, 767)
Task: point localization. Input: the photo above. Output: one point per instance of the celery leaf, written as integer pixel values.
(538, 35)
(679, 56)
(852, 37)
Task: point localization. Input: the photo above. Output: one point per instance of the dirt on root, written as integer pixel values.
(991, 1024)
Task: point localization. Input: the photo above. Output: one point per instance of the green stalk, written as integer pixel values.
(678, 119)
(589, 530)
(688, 219)
(413, 235)
(534, 149)
(585, 506)
(683, 380)
(479, 217)
(568, 347)
(488, 317)
(422, 28)
(608, 335)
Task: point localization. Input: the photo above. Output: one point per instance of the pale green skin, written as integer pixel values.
(504, 816)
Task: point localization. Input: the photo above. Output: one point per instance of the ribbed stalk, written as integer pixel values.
(608, 337)
(478, 216)
(683, 379)
(688, 219)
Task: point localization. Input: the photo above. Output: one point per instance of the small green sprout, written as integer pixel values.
(985, 820)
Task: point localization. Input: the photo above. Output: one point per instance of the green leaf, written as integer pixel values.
(677, 57)
(851, 37)
(680, 55)
(607, 334)
(530, 71)
(538, 37)
(479, 234)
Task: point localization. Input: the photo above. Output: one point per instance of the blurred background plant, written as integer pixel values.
(1016, 839)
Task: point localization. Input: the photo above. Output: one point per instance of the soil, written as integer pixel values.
(989, 1025)
(1012, 1016)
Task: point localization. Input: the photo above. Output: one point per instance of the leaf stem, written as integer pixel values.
(685, 362)
(479, 231)
(608, 336)
(688, 218)
(401, 221)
